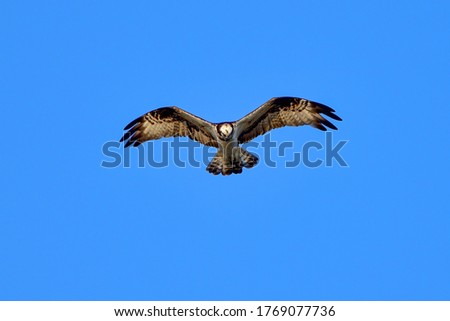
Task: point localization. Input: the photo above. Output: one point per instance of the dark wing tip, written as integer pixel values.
(128, 143)
(131, 138)
(328, 111)
(319, 126)
(329, 124)
(133, 134)
(134, 122)
(322, 122)
(126, 136)
(334, 116)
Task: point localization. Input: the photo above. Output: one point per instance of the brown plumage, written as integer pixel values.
(230, 158)
(284, 111)
(167, 122)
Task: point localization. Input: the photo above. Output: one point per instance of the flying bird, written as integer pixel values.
(227, 136)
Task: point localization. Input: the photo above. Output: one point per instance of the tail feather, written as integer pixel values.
(246, 159)
(241, 159)
(216, 164)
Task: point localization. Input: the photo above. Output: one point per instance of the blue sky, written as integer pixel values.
(75, 73)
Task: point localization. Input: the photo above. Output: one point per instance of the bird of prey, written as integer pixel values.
(227, 136)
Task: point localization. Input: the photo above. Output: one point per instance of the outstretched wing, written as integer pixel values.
(168, 122)
(284, 111)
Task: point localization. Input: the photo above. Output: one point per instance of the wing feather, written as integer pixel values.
(168, 122)
(284, 111)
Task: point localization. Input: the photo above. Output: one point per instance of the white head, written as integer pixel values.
(225, 131)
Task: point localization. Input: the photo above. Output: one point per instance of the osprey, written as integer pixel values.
(226, 137)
